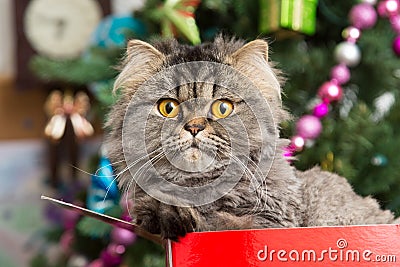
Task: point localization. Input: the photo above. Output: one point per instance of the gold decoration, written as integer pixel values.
(60, 107)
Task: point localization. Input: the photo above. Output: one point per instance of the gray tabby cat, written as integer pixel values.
(287, 197)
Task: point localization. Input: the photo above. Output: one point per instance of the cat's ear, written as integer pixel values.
(254, 49)
(252, 60)
(141, 62)
(140, 48)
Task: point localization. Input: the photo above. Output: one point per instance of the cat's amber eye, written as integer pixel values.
(221, 108)
(168, 108)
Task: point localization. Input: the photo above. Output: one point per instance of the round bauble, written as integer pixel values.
(347, 53)
(363, 16)
(309, 127)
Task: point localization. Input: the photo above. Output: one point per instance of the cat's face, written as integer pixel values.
(189, 124)
(197, 125)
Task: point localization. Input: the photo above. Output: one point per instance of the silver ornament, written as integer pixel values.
(77, 261)
(348, 53)
(371, 2)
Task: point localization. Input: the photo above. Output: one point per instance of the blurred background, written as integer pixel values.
(57, 67)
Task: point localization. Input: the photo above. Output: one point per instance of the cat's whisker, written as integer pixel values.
(142, 171)
(105, 166)
(174, 155)
(109, 187)
(143, 166)
(147, 164)
(218, 139)
(259, 172)
(97, 171)
(150, 162)
(262, 177)
(136, 161)
(145, 170)
(253, 180)
(127, 188)
(117, 176)
(81, 170)
(257, 205)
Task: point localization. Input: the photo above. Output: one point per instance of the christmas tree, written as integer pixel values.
(325, 40)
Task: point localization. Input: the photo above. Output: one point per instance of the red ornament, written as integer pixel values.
(330, 91)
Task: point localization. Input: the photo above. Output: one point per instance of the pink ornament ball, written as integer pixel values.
(116, 249)
(395, 22)
(96, 263)
(70, 217)
(309, 127)
(396, 46)
(391, 7)
(66, 240)
(110, 258)
(321, 110)
(330, 91)
(340, 73)
(298, 142)
(363, 16)
(351, 34)
(122, 236)
(382, 9)
(388, 8)
(289, 151)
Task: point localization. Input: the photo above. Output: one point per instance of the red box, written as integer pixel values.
(368, 245)
(373, 245)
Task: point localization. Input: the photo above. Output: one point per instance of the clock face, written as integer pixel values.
(61, 28)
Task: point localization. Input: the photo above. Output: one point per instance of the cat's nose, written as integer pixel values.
(195, 126)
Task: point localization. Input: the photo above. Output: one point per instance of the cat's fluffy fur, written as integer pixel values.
(293, 198)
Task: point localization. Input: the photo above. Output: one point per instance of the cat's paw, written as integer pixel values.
(175, 222)
(169, 221)
(148, 222)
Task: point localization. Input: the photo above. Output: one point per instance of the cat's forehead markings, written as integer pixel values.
(170, 94)
(193, 90)
(223, 93)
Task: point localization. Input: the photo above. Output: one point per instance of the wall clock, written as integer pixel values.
(59, 29)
